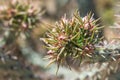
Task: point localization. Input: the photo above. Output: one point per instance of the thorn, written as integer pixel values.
(88, 55)
(3, 60)
(103, 56)
(117, 54)
(51, 62)
(108, 71)
(99, 76)
(106, 78)
(111, 67)
(113, 59)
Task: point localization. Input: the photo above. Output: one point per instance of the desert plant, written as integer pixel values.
(74, 38)
(19, 17)
(17, 22)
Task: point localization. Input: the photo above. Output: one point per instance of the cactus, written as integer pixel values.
(74, 38)
(18, 18)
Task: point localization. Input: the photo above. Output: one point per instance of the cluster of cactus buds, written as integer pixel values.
(19, 17)
(74, 38)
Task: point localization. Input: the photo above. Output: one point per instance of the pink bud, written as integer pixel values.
(14, 2)
(61, 37)
(85, 19)
(30, 11)
(50, 52)
(65, 20)
(86, 48)
(86, 26)
(3, 8)
(24, 25)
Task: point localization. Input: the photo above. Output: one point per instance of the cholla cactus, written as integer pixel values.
(73, 38)
(19, 17)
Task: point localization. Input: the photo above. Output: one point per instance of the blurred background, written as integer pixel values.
(23, 58)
